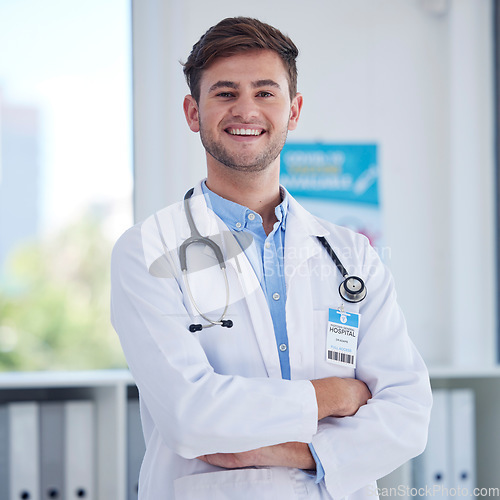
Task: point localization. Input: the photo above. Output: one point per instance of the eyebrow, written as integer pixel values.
(223, 84)
(265, 83)
(232, 85)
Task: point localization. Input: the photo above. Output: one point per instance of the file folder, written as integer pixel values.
(135, 448)
(51, 450)
(432, 469)
(24, 450)
(463, 440)
(80, 449)
(4, 453)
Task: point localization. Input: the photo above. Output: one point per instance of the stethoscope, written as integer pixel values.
(352, 289)
(197, 238)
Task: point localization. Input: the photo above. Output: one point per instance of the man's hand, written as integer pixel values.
(340, 397)
(285, 455)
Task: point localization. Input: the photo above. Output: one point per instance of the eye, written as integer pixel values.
(264, 93)
(225, 94)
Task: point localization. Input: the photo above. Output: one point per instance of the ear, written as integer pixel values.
(191, 112)
(295, 109)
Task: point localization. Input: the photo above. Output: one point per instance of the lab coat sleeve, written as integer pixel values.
(392, 427)
(196, 410)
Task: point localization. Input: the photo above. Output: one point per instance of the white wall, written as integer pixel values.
(416, 82)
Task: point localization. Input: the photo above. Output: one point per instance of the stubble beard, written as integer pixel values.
(240, 161)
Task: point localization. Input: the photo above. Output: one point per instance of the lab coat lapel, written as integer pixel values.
(300, 247)
(260, 317)
(256, 304)
(300, 240)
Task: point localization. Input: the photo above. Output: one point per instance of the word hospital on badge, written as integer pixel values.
(342, 337)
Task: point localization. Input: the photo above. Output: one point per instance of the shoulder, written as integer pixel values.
(342, 233)
(148, 236)
(335, 234)
(129, 246)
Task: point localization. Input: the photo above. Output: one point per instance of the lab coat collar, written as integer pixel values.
(210, 225)
(309, 223)
(204, 222)
(302, 227)
(300, 238)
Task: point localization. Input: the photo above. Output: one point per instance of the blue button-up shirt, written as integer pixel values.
(267, 256)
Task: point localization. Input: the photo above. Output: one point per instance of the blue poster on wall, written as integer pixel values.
(337, 182)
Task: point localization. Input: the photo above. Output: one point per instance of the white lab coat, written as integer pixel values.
(220, 390)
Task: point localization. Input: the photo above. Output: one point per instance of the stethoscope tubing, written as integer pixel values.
(352, 289)
(197, 238)
(333, 256)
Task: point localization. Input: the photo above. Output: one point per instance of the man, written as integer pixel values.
(243, 393)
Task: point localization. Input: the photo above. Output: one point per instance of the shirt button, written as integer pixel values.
(267, 245)
(251, 216)
(283, 347)
(238, 225)
(276, 296)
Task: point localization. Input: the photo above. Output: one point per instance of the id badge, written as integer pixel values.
(342, 337)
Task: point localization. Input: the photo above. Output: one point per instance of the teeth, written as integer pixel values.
(244, 131)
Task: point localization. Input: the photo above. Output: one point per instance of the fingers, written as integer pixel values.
(359, 394)
(340, 397)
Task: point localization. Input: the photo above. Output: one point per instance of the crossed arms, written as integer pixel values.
(336, 397)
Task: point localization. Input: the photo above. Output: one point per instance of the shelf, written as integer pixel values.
(28, 380)
(463, 372)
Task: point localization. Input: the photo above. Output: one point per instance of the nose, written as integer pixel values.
(245, 108)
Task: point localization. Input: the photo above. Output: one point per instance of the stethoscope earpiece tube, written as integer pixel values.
(196, 237)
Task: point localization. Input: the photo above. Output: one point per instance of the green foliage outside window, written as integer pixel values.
(54, 306)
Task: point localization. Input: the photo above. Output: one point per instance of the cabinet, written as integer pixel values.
(485, 384)
(111, 390)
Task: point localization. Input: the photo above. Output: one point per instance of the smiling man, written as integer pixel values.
(243, 112)
(243, 120)
(234, 317)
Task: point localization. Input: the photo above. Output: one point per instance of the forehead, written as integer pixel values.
(246, 67)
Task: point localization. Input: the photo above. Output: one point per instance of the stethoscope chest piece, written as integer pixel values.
(352, 289)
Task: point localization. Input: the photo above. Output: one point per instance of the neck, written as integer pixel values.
(259, 191)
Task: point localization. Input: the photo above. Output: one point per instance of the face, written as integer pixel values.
(244, 111)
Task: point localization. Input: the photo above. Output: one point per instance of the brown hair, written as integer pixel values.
(238, 34)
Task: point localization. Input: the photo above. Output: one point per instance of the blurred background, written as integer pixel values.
(65, 178)
(92, 132)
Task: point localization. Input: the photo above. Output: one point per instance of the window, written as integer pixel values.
(65, 178)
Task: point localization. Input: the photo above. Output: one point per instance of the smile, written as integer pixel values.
(244, 131)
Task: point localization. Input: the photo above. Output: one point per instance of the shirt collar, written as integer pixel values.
(236, 216)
